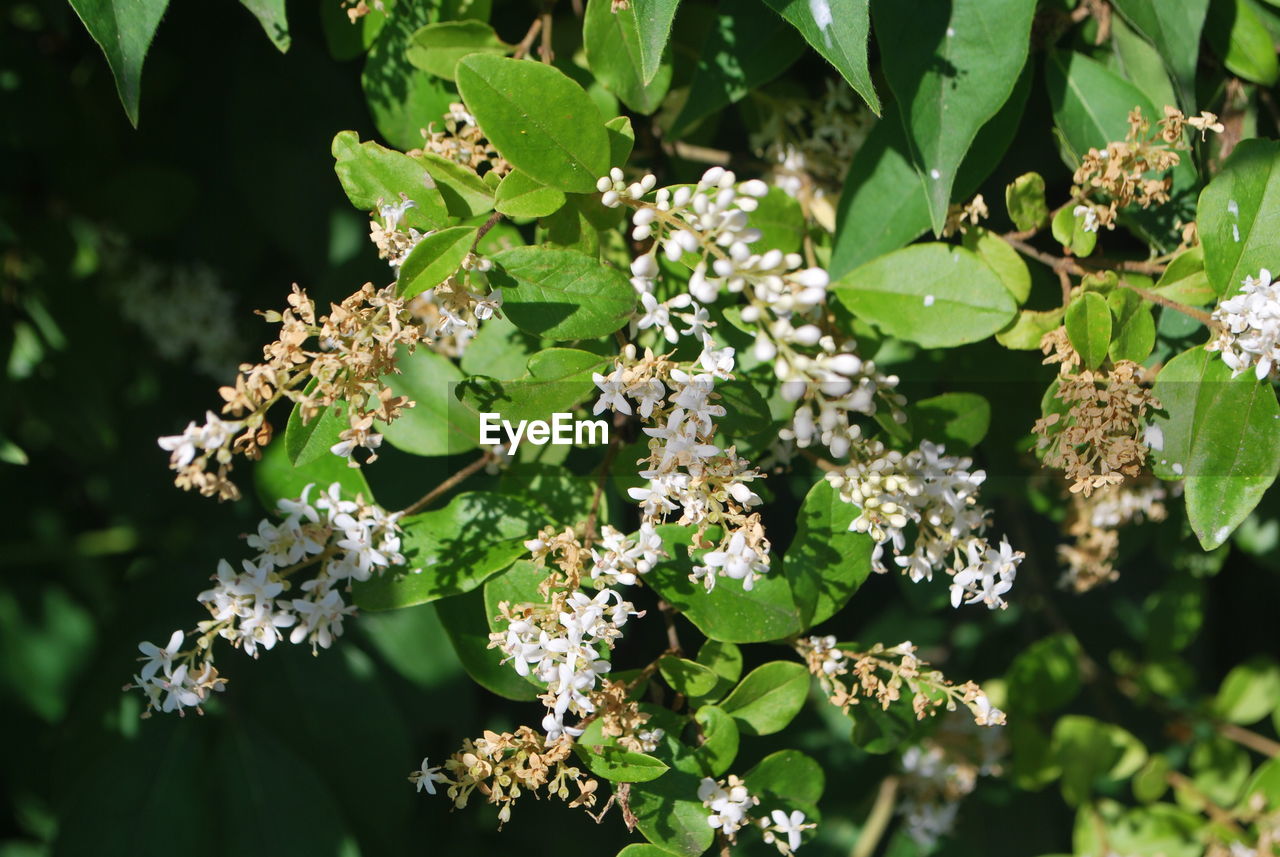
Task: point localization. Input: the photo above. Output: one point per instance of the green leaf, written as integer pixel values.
(1185, 279)
(653, 24)
(613, 46)
(271, 15)
(1249, 693)
(434, 259)
(743, 50)
(644, 849)
(1141, 64)
(622, 138)
(725, 660)
(465, 620)
(557, 380)
(719, 747)
(563, 294)
(1046, 675)
(727, 613)
(1088, 321)
(787, 775)
(933, 294)
(1026, 331)
(538, 119)
(275, 477)
(1003, 259)
(1221, 435)
(1134, 333)
(1024, 197)
(618, 765)
(373, 175)
(1174, 28)
(1091, 104)
(453, 550)
(1068, 230)
(1150, 783)
(402, 99)
(437, 424)
(838, 31)
(952, 66)
(769, 697)
(306, 442)
(1089, 750)
(436, 48)
(686, 676)
(780, 220)
(670, 815)
(826, 562)
(1238, 35)
(1239, 215)
(520, 196)
(465, 193)
(123, 29)
(960, 420)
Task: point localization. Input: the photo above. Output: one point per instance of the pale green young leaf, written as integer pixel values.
(1185, 280)
(1001, 258)
(1024, 198)
(618, 765)
(1025, 332)
(465, 194)
(1134, 328)
(1249, 693)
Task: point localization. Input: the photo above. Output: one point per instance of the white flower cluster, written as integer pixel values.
(347, 540)
(186, 312)
(619, 560)
(213, 439)
(1249, 327)
(566, 655)
(937, 493)
(730, 805)
(938, 774)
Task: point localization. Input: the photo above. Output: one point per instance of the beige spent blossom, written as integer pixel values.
(1093, 523)
(459, 139)
(962, 218)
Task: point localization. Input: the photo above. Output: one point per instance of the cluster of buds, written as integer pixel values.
(1249, 327)
(1102, 439)
(344, 540)
(1110, 179)
(883, 673)
(504, 766)
(730, 806)
(938, 493)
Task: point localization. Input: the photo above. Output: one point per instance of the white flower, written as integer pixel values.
(160, 659)
(613, 392)
(792, 825)
(1249, 332)
(427, 777)
(320, 622)
(1090, 217)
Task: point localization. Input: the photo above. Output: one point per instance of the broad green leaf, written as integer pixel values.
(373, 175)
(562, 294)
(1046, 675)
(1030, 326)
(669, 814)
(123, 29)
(959, 420)
(1240, 38)
(613, 45)
(271, 15)
(1151, 782)
(558, 379)
(1221, 436)
(401, 636)
(1249, 693)
(788, 775)
(434, 259)
(826, 562)
(780, 221)
(1219, 770)
(725, 660)
(1239, 216)
(465, 194)
(952, 66)
(1134, 329)
(933, 294)
(538, 119)
(769, 697)
(686, 676)
(1003, 259)
(275, 477)
(436, 48)
(1068, 229)
(437, 424)
(402, 99)
(465, 620)
(306, 442)
(453, 550)
(521, 196)
(345, 39)
(727, 613)
(838, 31)
(1090, 750)
(618, 765)
(622, 138)
(719, 746)
(1024, 198)
(1088, 322)
(1185, 279)
(1174, 28)
(743, 50)
(1141, 64)
(1158, 829)
(653, 24)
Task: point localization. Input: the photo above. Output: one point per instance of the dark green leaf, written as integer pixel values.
(1238, 35)
(306, 442)
(123, 29)
(276, 478)
(614, 54)
(402, 99)
(1135, 328)
(563, 294)
(558, 379)
(437, 424)
(686, 676)
(1239, 215)
(465, 619)
(787, 775)
(719, 747)
(653, 23)
(1174, 28)
(826, 562)
(769, 697)
(271, 15)
(670, 815)
(959, 420)
(838, 31)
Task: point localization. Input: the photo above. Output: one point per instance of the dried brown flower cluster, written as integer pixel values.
(357, 9)
(462, 141)
(355, 346)
(884, 673)
(1122, 174)
(504, 766)
(1099, 441)
(962, 217)
(1092, 524)
(621, 718)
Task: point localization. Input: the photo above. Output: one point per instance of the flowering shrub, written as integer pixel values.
(881, 388)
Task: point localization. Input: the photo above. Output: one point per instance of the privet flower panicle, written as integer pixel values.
(187, 313)
(1249, 327)
(1103, 437)
(730, 806)
(345, 539)
(1093, 522)
(939, 772)
(937, 493)
(884, 673)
